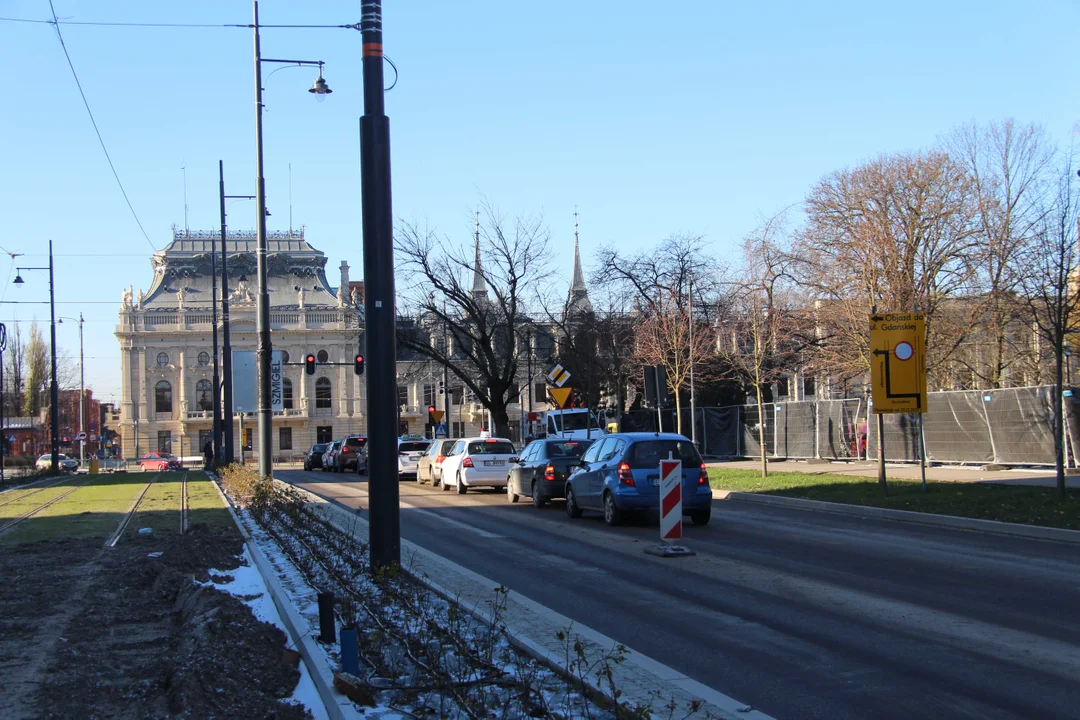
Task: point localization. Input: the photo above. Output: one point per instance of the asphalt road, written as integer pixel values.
(799, 614)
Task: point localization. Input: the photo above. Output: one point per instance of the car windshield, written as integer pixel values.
(568, 448)
(319, 448)
(647, 454)
(413, 447)
(574, 421)
(491, 447)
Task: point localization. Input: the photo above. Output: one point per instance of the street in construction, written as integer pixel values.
(796, 613)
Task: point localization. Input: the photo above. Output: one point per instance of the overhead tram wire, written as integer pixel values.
(57, 21)
(86, 103)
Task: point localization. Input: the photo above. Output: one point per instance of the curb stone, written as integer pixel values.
(994, 527)
(338, 707)
(636, 677)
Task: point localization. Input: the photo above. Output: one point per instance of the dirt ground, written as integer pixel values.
(94, 632)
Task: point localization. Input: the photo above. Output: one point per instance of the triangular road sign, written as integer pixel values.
(561, 396)
(437, 415)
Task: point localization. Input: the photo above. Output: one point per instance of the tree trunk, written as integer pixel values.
(1059, 425)
(678, 413)
(501, 420)
(761, 432)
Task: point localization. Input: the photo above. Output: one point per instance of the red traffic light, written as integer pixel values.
(309, 364)
(358, 365)
(430, 409)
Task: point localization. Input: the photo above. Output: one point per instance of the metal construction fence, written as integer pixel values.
(1010, 426)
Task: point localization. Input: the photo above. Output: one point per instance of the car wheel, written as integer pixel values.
(701, 517)
(572, 509)
(539, 500)
(510, 494)
(612, 514)
(461, 489)
(443, 486)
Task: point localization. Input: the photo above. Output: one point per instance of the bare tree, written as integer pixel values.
(38, 370)
(659, 282)
(14, 373)
(766, 326)
(1008, 166)
(1051, 287)
(481, 294)
(896, 233)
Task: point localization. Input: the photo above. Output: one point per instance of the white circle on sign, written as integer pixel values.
(903, 351)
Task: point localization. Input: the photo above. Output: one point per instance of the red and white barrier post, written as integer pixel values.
(670, 500)
(671, 480)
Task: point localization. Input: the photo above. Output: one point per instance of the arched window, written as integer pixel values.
(323, 356)
(286, 394)
(284, 356)
(162, 359)
(204, 359)
(204, 395)
(163, 396)
(322, 393)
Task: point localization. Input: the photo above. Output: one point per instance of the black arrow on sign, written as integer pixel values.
(888, 382)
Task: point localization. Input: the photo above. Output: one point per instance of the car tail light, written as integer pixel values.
(467, 462)
(703, 478)
(345, 450)
(626, 477)
(439, 459)
(549, 473)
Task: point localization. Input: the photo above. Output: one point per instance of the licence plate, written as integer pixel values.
(655, 480)
(415, 457)
(494, 463)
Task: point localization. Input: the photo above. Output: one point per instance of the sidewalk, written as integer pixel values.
(1041, 477)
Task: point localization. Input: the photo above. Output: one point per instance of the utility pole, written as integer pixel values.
(693, 406)
(216, 445)
(262, 308)
(82, 395)
(446, 376)
(226, 344)
(379, 309)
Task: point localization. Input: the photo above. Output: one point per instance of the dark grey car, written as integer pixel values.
(542, 469)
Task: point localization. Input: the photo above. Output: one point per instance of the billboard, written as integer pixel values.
(245, 381)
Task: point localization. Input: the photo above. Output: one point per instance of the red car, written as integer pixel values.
(159, 461)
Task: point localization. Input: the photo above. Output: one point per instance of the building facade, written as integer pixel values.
(166, 346)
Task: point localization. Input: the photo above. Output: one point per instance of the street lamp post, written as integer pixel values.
(54, 391)
(379, 308)
(262, 310)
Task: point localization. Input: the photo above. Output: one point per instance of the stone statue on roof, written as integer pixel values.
(125, 297)
(180, 299)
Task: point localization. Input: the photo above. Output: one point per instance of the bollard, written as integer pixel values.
(326, 617)
(350, 651)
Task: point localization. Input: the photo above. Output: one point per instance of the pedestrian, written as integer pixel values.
(208, 455)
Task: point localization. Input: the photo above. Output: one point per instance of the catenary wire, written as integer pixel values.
(101, 140)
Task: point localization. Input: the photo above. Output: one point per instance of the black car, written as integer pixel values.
(313, 457)
(542, 469)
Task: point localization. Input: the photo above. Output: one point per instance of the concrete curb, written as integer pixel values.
(866, 511)
(636, 676)
(338, 707)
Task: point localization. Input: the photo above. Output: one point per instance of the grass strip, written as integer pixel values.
(205, 505)
(1022, 504)
(91, 511)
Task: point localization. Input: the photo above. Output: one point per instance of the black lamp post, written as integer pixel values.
(262, 311)
(54, 391)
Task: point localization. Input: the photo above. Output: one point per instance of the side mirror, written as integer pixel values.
(514, 460)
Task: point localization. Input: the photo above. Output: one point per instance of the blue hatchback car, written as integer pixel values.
(620, 474)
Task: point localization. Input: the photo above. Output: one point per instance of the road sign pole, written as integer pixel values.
(881, 453)
(922, 452)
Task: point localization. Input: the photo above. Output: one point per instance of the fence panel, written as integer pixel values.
(956, 428)
(720, 430)
(1022, 424)
(840, 425)
(796, 429)
(751, 445)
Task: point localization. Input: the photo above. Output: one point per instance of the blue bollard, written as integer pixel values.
(350, 651)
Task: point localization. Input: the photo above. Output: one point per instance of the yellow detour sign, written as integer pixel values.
(561, 396)
(437, 415)
(898, 362)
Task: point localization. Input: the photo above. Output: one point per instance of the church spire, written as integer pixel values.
(479, 285)
(579, 294)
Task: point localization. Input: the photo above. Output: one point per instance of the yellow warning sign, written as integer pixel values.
(898, 362)
(437, 415)
(561, 396)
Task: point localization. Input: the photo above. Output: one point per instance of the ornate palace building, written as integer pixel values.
(166, 345)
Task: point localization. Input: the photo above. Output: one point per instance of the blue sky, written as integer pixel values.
(651, 118)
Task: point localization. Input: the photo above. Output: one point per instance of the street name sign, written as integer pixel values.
(898, 362)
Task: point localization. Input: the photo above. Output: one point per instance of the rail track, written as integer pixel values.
(118, 533)
(31, 513)
(15, 491)
(183, 504)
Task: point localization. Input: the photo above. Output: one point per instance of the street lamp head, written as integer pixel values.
(18, 280)
(320, 87)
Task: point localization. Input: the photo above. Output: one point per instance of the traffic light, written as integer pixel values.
(431, 415)
(358, 365)
(441, 388)
(309, 364)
